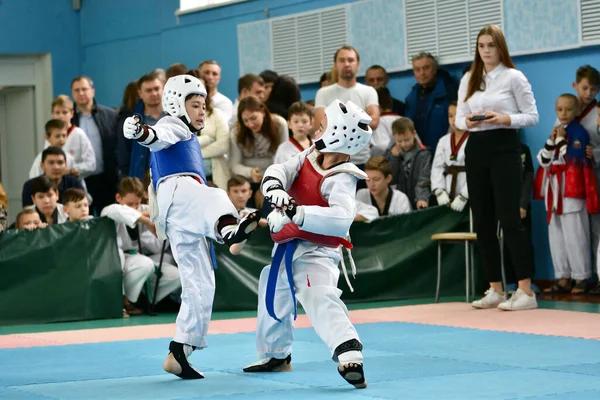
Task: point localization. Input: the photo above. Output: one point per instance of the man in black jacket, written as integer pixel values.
(100, 124)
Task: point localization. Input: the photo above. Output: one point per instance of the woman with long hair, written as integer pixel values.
(494, 101)
(255, 138)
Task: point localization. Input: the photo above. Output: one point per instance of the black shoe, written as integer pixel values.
(271, 365)
(353, 374)
(179, 350)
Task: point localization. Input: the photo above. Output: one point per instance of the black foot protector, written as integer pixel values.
(187, 371)
(244, 229)
(271, 365)
(353, 374)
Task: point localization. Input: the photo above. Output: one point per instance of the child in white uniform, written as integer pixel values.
(314, 196)
(448, 176)
(188, 212)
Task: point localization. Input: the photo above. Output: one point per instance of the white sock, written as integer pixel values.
(353, 356)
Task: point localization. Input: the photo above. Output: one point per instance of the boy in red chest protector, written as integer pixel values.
(314, 195)
(565, 180)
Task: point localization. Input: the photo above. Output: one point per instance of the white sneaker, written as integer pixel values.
(519, 301)
(490, 300)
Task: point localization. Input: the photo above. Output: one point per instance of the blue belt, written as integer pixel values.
(284, 250)
(213, 255)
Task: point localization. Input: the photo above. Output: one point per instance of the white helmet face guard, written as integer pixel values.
(348, 130)
(176, 90)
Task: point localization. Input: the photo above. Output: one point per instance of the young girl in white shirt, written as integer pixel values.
(494, 100)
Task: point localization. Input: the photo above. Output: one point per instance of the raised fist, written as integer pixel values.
(132, 128)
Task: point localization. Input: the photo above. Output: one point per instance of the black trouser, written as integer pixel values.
(508, 263)
(493, 167)
(103, 190)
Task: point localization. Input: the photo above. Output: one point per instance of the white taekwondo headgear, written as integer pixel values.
(347, 131)
(176, 90)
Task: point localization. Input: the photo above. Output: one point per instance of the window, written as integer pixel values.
(590, 21)
(190, 6)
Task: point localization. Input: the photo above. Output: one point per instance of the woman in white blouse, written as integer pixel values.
(494, 100)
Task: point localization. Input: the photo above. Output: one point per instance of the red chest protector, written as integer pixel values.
(306, 190)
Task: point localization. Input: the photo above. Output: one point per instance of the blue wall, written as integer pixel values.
(143, 35)
(41, 26)
(116, 41)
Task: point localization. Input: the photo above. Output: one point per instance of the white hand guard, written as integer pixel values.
(442, 197)
(277, 219)
(274, 192)
(459, 203)
(132, 128)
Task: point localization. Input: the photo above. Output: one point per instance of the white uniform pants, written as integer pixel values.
(169, 280)
(595, 239)
(137, 268)
(193, 211)
(315, 281)
(569, 236)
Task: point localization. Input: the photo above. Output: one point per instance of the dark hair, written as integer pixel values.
(325, 76)
(195, 73)
(385, 98)
(299, 108)
(237, 180)
(269, 76)
(41, 184)
(175, 69)
(207, 100)
(350, 48)
(72, 195)
(246, 82)
(245, 137)
(53, 124)
(131, 184)
(285, 92)
(23, 213)
(82, 78)
(130, 95)
(53, 151)
(380, 68)
(149, 77)
(588, 72)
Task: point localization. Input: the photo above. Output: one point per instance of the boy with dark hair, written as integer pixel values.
(54, 162)
(44, 196)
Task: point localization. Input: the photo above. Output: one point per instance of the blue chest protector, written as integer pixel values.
(183, 158)
(577, 140)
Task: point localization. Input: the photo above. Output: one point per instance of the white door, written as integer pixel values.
(18, 142)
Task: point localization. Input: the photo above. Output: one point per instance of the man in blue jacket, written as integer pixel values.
(428, 101)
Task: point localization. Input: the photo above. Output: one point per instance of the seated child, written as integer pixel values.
(300, 117)
(44, 196)
(411, 163)
(378, 193)
(239, 192)
(136, 239)
(29, 219)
